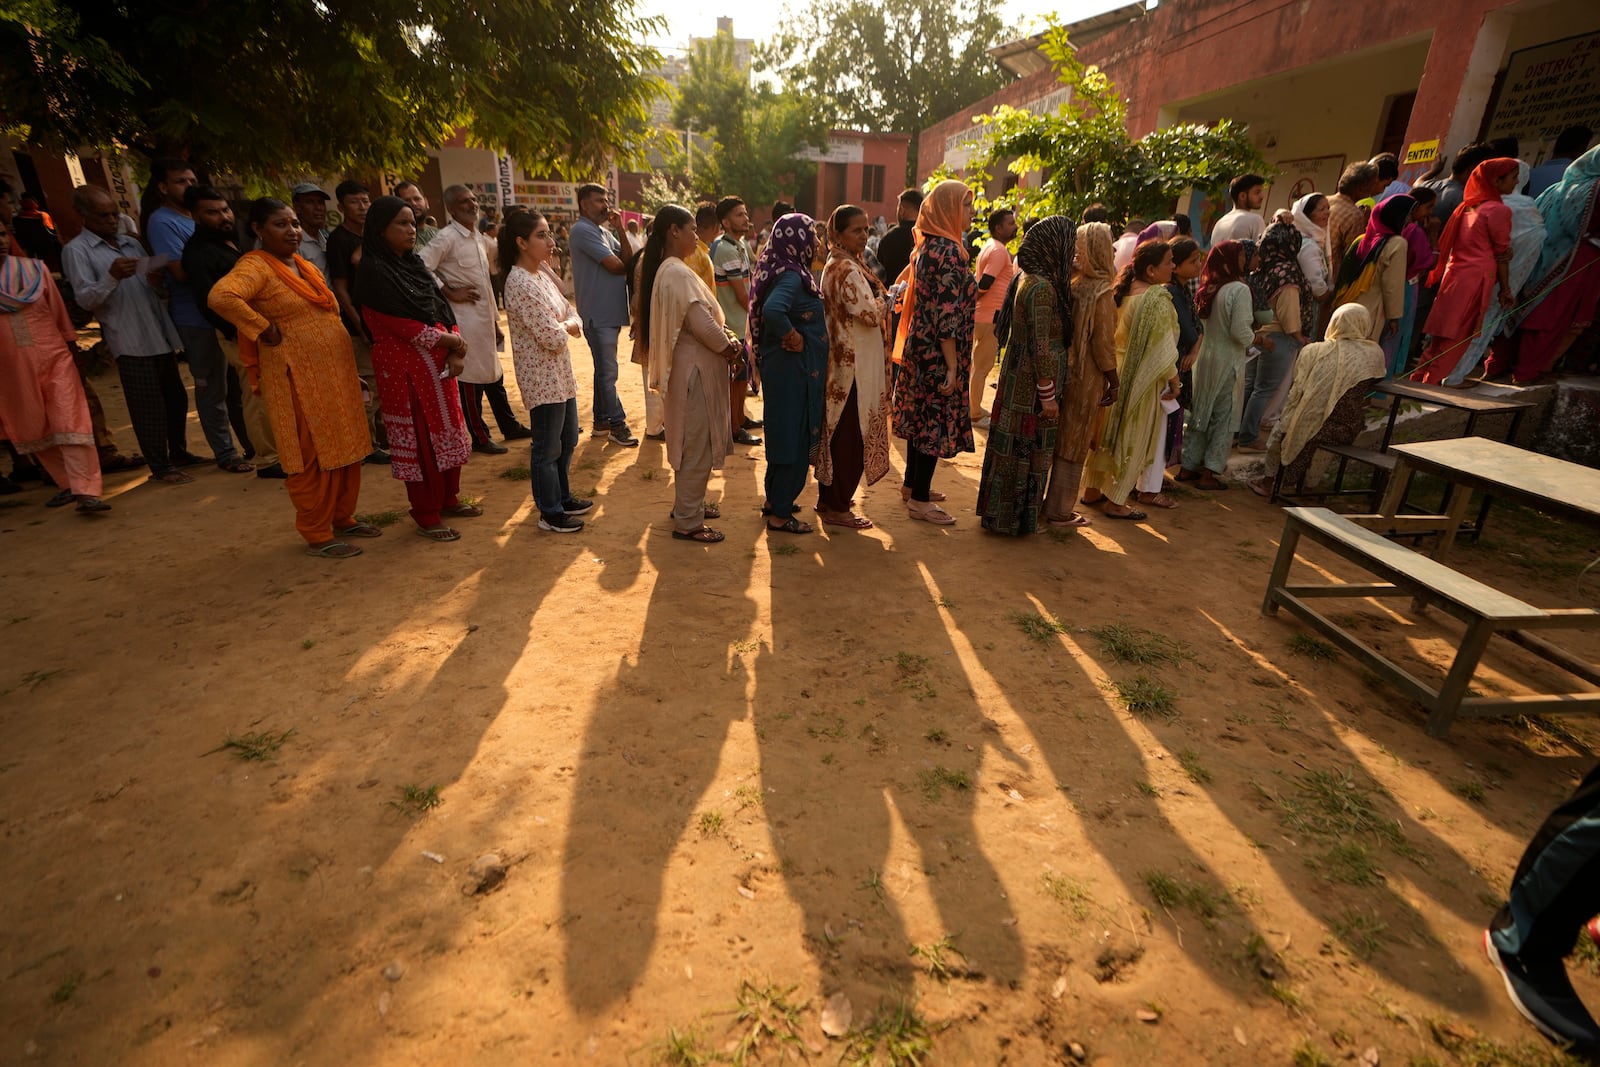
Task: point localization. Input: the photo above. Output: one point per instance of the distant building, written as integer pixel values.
(865, 169)
(671, 71)
(742, 46)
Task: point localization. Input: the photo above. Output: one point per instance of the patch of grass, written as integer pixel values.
(414, 800)
(934, 781)
(517, 474)
(1036, 626)
(912, 668)
(254, 748)
(1313, 648)
(1147, 789)
(68, 988)
(873, 883)
(1148, 698)
(937, 957)
(1546, 735)
(834, 732)
(766, 1017)
(1347, 863)
(711, 823)
(1072, 895)
(1130, 644)
(786, 550)
(1307, 1054)
(1280, 715)
(897, 1038)
(1334, 805)
(936, 736)
(1586, 955)
(682, 1050)
(308, 644)
(1360, 932)
(746, 796)
(379, 518)
(1172, 892)
(828, 759)
(648, 474)
(1189, 760)
(1471, 1049)
(1286, 996)
(945, 602)
(1470, 789)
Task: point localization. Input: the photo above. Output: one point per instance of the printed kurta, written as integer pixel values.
(537, 314)
(41, 399)
(946, 302)
(858, 359)
(1094, 351)
(315, 351)
(407, 361)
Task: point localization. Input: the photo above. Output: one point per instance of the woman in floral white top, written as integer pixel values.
(541, 320)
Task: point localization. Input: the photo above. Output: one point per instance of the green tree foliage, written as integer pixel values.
(660, 190)
(269, 88)
(1087, 157)
(757, 131)
(891, 65)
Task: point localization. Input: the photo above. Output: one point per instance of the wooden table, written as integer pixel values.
(1474, 404)
(1498, 471)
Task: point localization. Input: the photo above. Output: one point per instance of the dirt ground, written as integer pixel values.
(730, 783)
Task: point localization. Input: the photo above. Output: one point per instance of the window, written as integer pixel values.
(872, 184)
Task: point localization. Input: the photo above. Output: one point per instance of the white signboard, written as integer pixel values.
(840, 150)
(505, 189)
(1547, 89)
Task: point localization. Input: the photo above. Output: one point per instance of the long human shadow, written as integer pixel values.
(1251, 778)
(651, 749)
(865, 721)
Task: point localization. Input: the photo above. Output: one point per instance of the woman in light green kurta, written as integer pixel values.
(1225, 306)
(1147, 365)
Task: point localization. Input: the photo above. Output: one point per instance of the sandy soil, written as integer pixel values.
(760, 773)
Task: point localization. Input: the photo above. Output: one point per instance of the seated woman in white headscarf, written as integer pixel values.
(1326, 401)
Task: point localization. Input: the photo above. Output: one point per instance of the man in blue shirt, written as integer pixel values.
(601, 289)
(168, 231)
(1573, 142)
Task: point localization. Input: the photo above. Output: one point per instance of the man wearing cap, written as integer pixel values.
(310, 204)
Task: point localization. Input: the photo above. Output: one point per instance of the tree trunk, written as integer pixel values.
(911, 159)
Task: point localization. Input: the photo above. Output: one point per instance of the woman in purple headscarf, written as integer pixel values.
(791, 340)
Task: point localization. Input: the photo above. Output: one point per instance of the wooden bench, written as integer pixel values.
(1485, 610)
(1382, 464)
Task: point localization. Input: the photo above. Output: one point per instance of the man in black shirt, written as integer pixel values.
(894, 248)
(212, 252)
(344, 247)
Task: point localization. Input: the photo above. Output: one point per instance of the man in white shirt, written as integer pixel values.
(310, 205)
(459, 259)
(1244, 222)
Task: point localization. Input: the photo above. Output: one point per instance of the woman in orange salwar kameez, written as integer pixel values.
(416, 351)
(297, 355)
(42, 406)
(1474, 256)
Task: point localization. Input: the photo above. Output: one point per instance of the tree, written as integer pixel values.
(757, 132)
(659, 190)
(891, 65)
(276, 88)
(1086, 156)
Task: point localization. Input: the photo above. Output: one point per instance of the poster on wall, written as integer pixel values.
(1297, 177)
(1546, 89)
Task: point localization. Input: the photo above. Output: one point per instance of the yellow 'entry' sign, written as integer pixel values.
(1422, 152)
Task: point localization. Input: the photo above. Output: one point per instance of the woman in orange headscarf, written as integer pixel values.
(933, 348)
(297, 356)
(1474, 255)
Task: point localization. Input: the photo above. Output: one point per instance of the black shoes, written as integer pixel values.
(560, 524)
(275, 470)
(575, 506)
(516, 433)
(621, 435)
(378, 458)
(753, 424)
(489, 448)
(1543, 993)
(745, 437)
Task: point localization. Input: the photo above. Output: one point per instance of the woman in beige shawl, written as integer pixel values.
(855, 417)
(1090, 387)
(1331, 381)
(681, 326)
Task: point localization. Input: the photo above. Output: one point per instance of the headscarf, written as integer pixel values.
(939, 216)
(676, 287)
(1157, 231)
(1480, 190)
(1358, 268)
(21, 283)
(1323, 373)
(1047, 252)
(396, 284)
(1280, 266)
(1420, 255)
(1527, 232)
(788, 250)
(1228, 261)
(1301, 212)
(1568, 208)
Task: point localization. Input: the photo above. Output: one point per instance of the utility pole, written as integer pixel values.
(688, 146)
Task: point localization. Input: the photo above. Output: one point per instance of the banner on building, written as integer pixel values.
(505, 191)
(1546, 89)
(1297, 177)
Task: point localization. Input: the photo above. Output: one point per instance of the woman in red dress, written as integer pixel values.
(416, 351)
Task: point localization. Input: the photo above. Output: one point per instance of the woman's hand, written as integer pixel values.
(1187, 362)
(271, 336)
(454, 364)
(575, 329)
(948, 386)
(1390, 328)
(1050, 409)
(792, 341)
(453, 342)
(1506, 299)
(1265, 343)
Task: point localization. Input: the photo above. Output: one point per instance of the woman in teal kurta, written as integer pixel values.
(791, 338)
(1226, 308)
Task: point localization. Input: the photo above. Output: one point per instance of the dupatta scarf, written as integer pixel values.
(396, 283)
(308, 285)
(21, 283)
(677, 288)
(1568, 208)
(1047, 252)
(1480, 190)
(1324, 372)
(939, 216)
(1228, 261)
(1280, 266)
(789, 250)
(1359, 268)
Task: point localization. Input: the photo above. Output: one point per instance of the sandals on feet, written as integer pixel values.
(172, 477)
(462, 511)
(236, 466)
(1132, 514)
(930, 512)
(333, 550)
(934, 496)
(360, 529)
(61, 499)
(92, 505)
(1158, 500)
(1072, 523)
(439, 533)
(790, 525)
(704, 534)
(848, 521)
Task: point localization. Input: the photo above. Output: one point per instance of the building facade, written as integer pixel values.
(859, 168)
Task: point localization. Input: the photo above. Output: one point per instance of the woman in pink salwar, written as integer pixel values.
(42, 406)
(1474, 256)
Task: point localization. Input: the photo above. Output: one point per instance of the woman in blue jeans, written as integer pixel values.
(1283, 299)
(541, 321)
